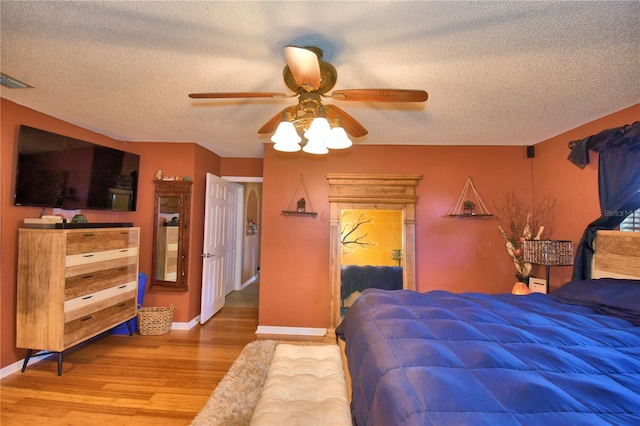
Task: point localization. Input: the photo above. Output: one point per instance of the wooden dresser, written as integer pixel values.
(74, 284)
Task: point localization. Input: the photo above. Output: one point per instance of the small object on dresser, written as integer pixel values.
(79, 218)
(159, 175)
(44, 220)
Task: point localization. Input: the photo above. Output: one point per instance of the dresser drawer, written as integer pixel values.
(100, 256)
(98, 240)
(84, 305)
(92, 281)
(97, 322)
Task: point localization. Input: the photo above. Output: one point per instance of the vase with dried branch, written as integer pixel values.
(520, 222)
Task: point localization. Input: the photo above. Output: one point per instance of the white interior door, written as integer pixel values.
(214, 253)
(232, 242)
(240, 231)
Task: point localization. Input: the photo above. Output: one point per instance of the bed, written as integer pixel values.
(569, 357)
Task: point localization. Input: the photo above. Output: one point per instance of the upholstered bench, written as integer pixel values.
(305, 385)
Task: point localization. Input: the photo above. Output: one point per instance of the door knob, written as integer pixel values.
(207, 255)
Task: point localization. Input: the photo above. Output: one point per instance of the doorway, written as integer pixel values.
(374, 192)
(247, 266)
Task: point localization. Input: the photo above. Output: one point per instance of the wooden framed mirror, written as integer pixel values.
(170, 251)
(370, 191)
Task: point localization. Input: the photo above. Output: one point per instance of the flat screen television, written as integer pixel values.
(62, 172)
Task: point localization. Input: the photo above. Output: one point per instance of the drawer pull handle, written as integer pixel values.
(87, 255)
(123, 286)
(89, 235)
(87, 297)
(121, 305)
(87, 318)
(86, 277)
(124, 268)
(124, 251)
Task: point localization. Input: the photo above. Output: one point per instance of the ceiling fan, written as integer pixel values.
(311, 78)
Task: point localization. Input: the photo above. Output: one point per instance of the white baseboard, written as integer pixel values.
(249, 281)
(10, 369)
(17, 366)
(291, 331)
(185, 325)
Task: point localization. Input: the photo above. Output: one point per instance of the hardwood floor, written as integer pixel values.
(139, 380)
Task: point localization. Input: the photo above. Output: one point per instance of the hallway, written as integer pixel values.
(245, 298)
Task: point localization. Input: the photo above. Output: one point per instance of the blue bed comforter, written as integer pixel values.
(475, 359)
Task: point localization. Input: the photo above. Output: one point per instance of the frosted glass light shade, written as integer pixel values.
(319, 129)
(287, 147)
(338, 139)
(286, 133)
(286, 138)
(315, 146)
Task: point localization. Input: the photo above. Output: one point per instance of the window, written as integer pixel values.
(631, 222)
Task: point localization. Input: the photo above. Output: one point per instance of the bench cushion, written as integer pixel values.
(305, 386)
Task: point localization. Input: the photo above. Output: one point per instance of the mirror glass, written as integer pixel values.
(167, 238)
(371, 245)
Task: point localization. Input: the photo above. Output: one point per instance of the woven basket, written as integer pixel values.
(155, 320)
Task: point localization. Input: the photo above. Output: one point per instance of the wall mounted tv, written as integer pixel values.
(62, 172)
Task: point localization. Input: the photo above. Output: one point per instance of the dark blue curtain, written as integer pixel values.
(618, 184)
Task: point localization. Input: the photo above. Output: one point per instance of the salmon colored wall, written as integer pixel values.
(454, 254)
(175, 159)
(244, 167)
(183, 159)
(12, 217)
(575, 189)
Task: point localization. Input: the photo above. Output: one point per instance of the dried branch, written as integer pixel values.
(350, 228)
(519, 222)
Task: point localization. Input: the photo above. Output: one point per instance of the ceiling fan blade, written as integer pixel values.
(304, 66)
(271, 125)
(350, 124)
(227, 95)
(381, 95)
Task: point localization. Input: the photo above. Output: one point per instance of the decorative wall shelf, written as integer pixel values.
(466, 207)
(301, 204)
(297, 213)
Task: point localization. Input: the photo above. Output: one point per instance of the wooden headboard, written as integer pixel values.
(617, 255)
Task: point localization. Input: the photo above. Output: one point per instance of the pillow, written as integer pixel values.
(609, 296)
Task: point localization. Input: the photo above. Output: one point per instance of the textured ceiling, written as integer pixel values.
(497, 73)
